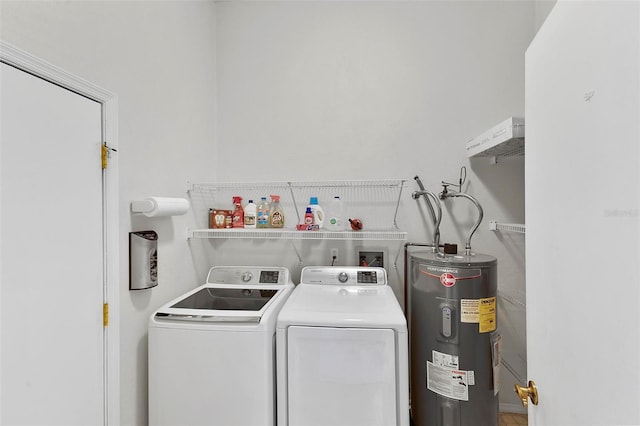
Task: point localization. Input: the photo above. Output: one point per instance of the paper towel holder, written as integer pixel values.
(160, 206)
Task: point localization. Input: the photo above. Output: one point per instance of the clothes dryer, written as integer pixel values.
(212, 350)
(342, 351)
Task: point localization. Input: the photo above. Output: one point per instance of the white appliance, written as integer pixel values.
(212, 350)
(342, 351)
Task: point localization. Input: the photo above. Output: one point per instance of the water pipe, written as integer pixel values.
(436, 219)
(447, 194)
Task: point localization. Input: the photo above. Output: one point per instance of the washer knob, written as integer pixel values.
(343, 277)
(246, 277)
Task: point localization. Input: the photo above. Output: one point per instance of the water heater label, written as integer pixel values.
(488, 315)
(448, 277)
(445, 360)
(479, 311)
(444, 377)
(470, 310)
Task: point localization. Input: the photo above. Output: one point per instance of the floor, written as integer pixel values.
(513, 419)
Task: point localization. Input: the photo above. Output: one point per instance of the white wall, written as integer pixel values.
(331, 90)
(542, 10)
(159, 58)
(387, 89)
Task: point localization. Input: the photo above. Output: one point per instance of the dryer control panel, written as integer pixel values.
(343, 275)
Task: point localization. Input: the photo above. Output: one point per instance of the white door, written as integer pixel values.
(582, 213)
(51, 255)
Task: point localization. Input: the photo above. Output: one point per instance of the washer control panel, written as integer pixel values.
(248, 275)
(343, 275)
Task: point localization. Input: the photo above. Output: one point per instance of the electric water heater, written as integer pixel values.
(455, 349)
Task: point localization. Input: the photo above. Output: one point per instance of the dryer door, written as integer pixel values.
(342, 376)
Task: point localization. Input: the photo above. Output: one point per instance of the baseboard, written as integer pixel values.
(507, 407)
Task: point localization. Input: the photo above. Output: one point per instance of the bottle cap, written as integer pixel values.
(237, 199)
(275, 198)
(313, 200)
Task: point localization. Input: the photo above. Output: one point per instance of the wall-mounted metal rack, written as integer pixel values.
(506, 139)
(381, 235)
(375, 202)
(509, 227)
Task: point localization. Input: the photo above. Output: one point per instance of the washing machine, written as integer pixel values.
(212, 350)
(342, 351)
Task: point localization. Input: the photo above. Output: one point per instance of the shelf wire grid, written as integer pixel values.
(374, 202)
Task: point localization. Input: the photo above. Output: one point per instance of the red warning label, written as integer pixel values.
(447, 279)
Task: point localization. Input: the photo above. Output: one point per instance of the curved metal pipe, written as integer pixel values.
(423, 189)
(446, 194)
(435, 219)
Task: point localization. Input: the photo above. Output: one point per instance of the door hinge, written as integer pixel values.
(105, 315)
(106, 151)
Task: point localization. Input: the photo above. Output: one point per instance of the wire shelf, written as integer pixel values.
(383, 183)
(289, 234)
(508, 227)
(374, 202)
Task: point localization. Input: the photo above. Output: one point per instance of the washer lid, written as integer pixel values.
(219, 303)
(226, 299)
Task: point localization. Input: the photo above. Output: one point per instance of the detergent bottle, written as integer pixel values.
(276, 215)
(318, 212)
(334, 219)
(237, 217)
(262, 216)
(250, 215)
(308, 217)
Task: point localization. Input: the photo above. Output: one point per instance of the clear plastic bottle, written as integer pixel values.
(237, 217)
(276, 215)
(334, 216)
(262, 213)
(250, 215)
(318, 212)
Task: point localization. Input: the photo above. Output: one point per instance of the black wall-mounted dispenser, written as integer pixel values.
(143, 260)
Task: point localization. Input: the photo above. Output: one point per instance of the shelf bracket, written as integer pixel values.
(395, 261)
(295, 249)
(395, 214)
